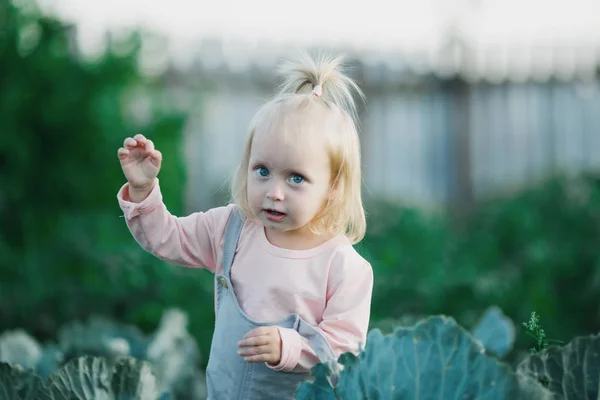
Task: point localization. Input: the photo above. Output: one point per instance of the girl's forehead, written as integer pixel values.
(289, 151)
(290, 132)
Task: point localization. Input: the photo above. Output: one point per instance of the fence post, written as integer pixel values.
(460, 190)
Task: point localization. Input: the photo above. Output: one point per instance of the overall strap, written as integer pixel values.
(232, 235)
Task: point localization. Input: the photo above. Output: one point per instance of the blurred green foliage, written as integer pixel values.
(538, 250)
(64, 250)
(65, 253)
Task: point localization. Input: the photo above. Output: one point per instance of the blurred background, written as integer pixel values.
(481, 144)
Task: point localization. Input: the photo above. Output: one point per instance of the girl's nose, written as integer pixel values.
(275, 193)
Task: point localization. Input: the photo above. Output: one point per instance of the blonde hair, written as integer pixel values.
(332, 108)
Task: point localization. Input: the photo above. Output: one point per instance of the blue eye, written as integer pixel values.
(297, 179)
(262, 171)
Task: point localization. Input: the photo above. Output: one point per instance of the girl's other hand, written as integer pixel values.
(262, 344)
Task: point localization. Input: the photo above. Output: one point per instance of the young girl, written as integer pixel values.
(290, 289)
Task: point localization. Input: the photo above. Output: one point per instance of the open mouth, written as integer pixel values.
(274, 215)
(273, 212)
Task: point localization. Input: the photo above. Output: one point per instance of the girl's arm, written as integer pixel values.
(188, 241)
(345, 320)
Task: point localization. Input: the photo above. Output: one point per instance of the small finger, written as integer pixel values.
(149, 146)
(122, 153)
(254, 350)
(129, 143)
(261, 330)
(253, 341)
(140, 138)
(259, 358)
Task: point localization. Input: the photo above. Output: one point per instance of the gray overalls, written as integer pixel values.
(228, 376)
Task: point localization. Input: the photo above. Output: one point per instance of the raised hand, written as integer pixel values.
(140, 162)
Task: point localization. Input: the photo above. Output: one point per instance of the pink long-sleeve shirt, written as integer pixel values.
(329, 286)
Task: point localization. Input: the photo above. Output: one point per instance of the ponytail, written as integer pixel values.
(322, 77)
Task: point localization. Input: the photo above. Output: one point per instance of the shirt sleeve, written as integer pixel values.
(345, 321)
(190, 241)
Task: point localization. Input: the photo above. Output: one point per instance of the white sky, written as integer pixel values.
(375, 24)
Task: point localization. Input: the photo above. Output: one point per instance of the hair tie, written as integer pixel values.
(317, 90)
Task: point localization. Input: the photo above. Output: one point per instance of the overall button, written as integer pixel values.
(224, 283)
